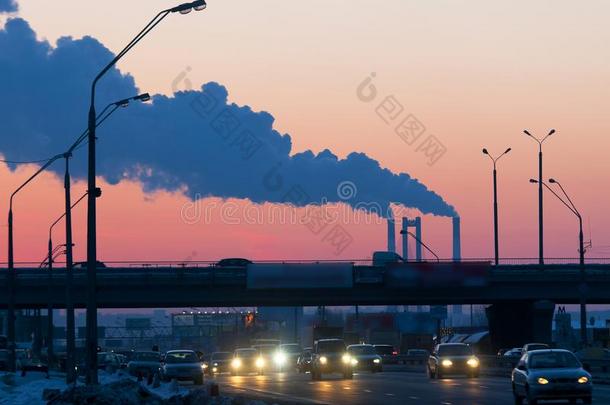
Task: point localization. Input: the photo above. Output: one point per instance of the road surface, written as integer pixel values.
(387, 388)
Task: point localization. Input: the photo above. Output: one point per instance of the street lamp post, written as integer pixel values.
(70, 335)
(581, 251)
(540, 207)
(581, 260)
(495, 160)
(11, 265)
(91, 313)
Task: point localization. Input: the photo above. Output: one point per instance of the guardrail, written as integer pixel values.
(516, 261)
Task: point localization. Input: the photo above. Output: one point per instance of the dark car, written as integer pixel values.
(365, 358)
(144, 363)
(453, 358)
(330, 356)
(247, 361)
(182, 365)
(233, 262)
(551, 374)
(108, 361)
(388, 354)
(304, 360)
(220, 362)
(286, 356)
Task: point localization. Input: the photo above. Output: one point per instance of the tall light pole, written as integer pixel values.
(70, 346)
(540, 207)
(495, 160)
(70, 324)
(91, 313)
(583, 275)
(581, 250)
(11, 265)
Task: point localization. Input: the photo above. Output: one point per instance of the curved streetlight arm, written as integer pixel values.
(151, 25)
(561, 199)
(424, 245)
(64, 214)
(568, 197)
(32, 177)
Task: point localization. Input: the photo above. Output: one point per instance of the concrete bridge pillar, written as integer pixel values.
(514, 324)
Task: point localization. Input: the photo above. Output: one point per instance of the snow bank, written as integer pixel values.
(118, 388)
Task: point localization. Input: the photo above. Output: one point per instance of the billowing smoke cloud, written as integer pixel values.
(8, 6)
(196, 141)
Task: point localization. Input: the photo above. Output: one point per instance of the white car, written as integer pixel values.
(550, 374)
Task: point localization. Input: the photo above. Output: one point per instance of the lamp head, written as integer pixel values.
(533, 181)
(551, 132)
(552, 181)
(485, 151)
(507, 150)
(526, 132)
(186, 8)
(122, 103)
(199, 5)
(144, 97)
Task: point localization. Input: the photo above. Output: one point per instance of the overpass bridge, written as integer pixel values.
(313, 284)
(522, 297)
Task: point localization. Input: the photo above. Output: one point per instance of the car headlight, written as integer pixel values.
(354, 362)
(280, 358)
(204, 366)
(260, 362)
(543, 381)
(214, 369)
(376, 361)
(473, 362)
(323, 360)
(447, 363)
(583, 380)
(215, 364)
(346, 358)
(236, 363)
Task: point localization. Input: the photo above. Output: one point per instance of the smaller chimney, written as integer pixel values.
(418, 255)
(405, 240)
(457, 242)
(391, 235)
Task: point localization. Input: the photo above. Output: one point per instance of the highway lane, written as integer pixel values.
(387, 388)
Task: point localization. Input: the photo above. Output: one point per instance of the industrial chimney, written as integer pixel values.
(391, 235)
(457, 242)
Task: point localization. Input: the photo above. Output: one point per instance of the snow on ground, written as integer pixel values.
(18, 390)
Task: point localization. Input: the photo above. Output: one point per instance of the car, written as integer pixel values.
(514, 352)
(247, 361)
(366, 358)
(304, 360)
(286, 356)
(144, 363)
(108, 361)
(550, 374)
(182, 365)
(220, 362)
(267, 353)
(330, 356)
(389, 355)
(534, 346)
(233, 262)
(453, 359)
(25, 360)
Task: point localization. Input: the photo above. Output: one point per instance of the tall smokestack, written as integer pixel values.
(405, 240)
(457, 242)
(391, 235)
(417, 225)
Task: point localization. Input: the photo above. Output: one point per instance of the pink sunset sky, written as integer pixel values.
(474, 73)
